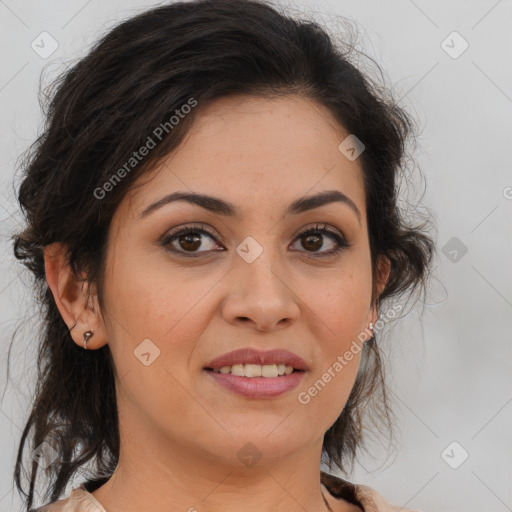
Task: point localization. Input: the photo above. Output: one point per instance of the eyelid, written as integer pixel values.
(320, 226)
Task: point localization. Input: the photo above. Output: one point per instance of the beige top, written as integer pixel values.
(80, 500)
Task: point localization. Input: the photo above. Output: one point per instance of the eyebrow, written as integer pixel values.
(221, 207)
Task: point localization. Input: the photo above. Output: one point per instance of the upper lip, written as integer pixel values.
(253, 356)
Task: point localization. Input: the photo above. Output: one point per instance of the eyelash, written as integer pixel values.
(167, 239)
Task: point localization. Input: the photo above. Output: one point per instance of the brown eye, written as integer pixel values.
(313, 239)
(188, 241)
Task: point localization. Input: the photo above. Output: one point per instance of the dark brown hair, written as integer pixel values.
(106, 106)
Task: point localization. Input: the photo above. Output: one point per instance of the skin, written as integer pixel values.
(180, 431)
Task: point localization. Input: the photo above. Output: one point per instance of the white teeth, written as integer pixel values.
(252, 370)
(269, 370)
(257, 370)
(238, 369)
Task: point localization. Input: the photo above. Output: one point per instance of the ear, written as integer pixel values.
(79, 312)
(384, 266)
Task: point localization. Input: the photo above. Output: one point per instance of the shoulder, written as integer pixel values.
(80, 500)
(368, 499)
(375, 502)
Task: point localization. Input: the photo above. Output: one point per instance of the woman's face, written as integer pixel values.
(173, 304)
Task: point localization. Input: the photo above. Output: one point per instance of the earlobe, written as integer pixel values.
(71, 297)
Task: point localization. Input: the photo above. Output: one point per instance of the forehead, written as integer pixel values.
(260, 151)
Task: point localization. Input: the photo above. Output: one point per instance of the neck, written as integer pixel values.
(225, 490)
(159, 473)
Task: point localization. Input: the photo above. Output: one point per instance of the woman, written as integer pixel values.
(213, 227)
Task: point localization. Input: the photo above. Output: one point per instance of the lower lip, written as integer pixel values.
(258, 387)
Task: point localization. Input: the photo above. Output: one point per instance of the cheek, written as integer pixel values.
(338, 307)
(340, 301)
(155, 316)
(157, 302)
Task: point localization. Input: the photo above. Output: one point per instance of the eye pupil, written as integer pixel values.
(311, 239)
(189, 237)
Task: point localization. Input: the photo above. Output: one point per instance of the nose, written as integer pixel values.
(260, 295)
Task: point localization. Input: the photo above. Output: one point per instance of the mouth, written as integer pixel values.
(254, 373)
(256, 381)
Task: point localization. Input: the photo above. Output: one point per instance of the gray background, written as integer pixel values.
(451, 360)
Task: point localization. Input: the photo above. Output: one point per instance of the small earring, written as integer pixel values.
(371, 329)
(87, 337)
